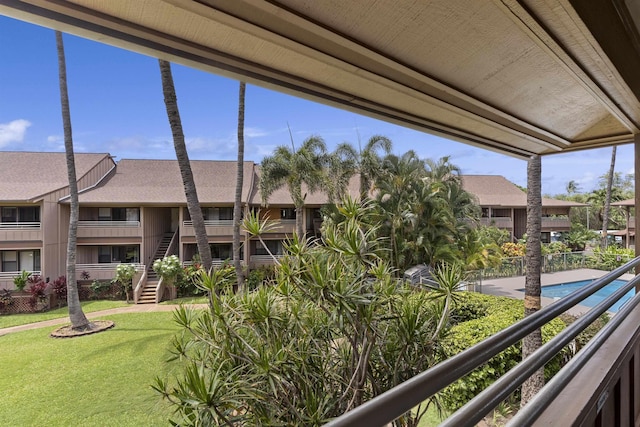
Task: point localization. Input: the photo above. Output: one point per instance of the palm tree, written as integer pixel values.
(607, 200)
(343, 164)
(532, 289)
(572, 187)
(370, 163)
(237, 204)
(193, 204)
(293, 168)
(79, 321)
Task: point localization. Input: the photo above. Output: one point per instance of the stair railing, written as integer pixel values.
(140, 286)
(171, 250)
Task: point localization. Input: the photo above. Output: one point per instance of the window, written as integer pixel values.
(214, 214)
(20, 214)
(119, 254)
(288, 213)
(20, 260)
(275, 247)
(104, 254)
(118, 214)
(221, 250)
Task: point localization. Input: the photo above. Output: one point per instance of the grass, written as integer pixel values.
(87, 306)
(187, 300)
(96, 380)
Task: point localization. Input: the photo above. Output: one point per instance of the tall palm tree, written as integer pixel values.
(293, 168)
(371, 162)
(343, 164)
(193, 204)
(607, 200)
(532, 287)
(78, 320)
(237, 204)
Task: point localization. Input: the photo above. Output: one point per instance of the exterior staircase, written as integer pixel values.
(148, 295)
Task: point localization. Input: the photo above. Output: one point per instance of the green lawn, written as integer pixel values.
(87, 306)
(187, 300)
(96, 380)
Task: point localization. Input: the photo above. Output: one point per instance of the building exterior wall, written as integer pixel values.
(156, 221)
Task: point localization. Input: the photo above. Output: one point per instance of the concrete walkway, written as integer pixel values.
(513, 287)
(135, 308)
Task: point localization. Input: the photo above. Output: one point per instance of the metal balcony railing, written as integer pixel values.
(14, 225)
(397, 401)
(108, 223)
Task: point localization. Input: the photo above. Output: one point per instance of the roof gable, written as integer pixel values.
(25, 176)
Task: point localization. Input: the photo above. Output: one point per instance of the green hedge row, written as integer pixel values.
(476, 317)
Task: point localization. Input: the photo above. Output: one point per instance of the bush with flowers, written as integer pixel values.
(168, 268)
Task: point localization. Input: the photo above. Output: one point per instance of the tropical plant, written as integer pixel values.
(20, 281)
(37, 289)
(342, 164)
(79, 321)
(370, 162)
(124, 276)
(237, 203)
(292, 168)
(256, 227)
(334, 330)
(193, 204)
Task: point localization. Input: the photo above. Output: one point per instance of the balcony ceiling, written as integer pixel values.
(519, 77)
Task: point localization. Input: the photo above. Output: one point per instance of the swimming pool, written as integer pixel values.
(564, 289)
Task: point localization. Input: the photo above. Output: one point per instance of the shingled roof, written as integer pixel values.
(27, 176)
(496, 190)
(158, 182)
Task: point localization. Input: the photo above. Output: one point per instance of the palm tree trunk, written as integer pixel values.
(76, 315)
(532, 290)
(171, 103)
(607, 198)
(237, 204)
(299, 223)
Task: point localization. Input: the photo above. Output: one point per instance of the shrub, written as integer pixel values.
(259, 276)
(513, 249)
(124, 276)
(37, 290)
(5, 298)
(186, 281)
(168, 267)
(59, 289)
(499, 313)
(99, 288)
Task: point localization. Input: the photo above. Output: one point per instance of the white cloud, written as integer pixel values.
(55, 138)
(255, 132)
(13, 131)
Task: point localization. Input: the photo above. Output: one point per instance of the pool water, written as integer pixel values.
(564, 289)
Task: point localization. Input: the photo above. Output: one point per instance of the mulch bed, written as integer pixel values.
(95, 326)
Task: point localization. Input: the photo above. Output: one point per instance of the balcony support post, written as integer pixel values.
(636, 157)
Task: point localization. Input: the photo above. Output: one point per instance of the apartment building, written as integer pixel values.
(33, 221)
(504, 205)
(136, 212)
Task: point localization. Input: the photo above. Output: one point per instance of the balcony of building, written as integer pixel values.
(20, 223)
(108, 222)
(556, 223)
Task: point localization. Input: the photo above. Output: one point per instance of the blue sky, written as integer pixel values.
(117, 107)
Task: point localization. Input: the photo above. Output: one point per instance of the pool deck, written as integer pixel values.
(513, 287)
